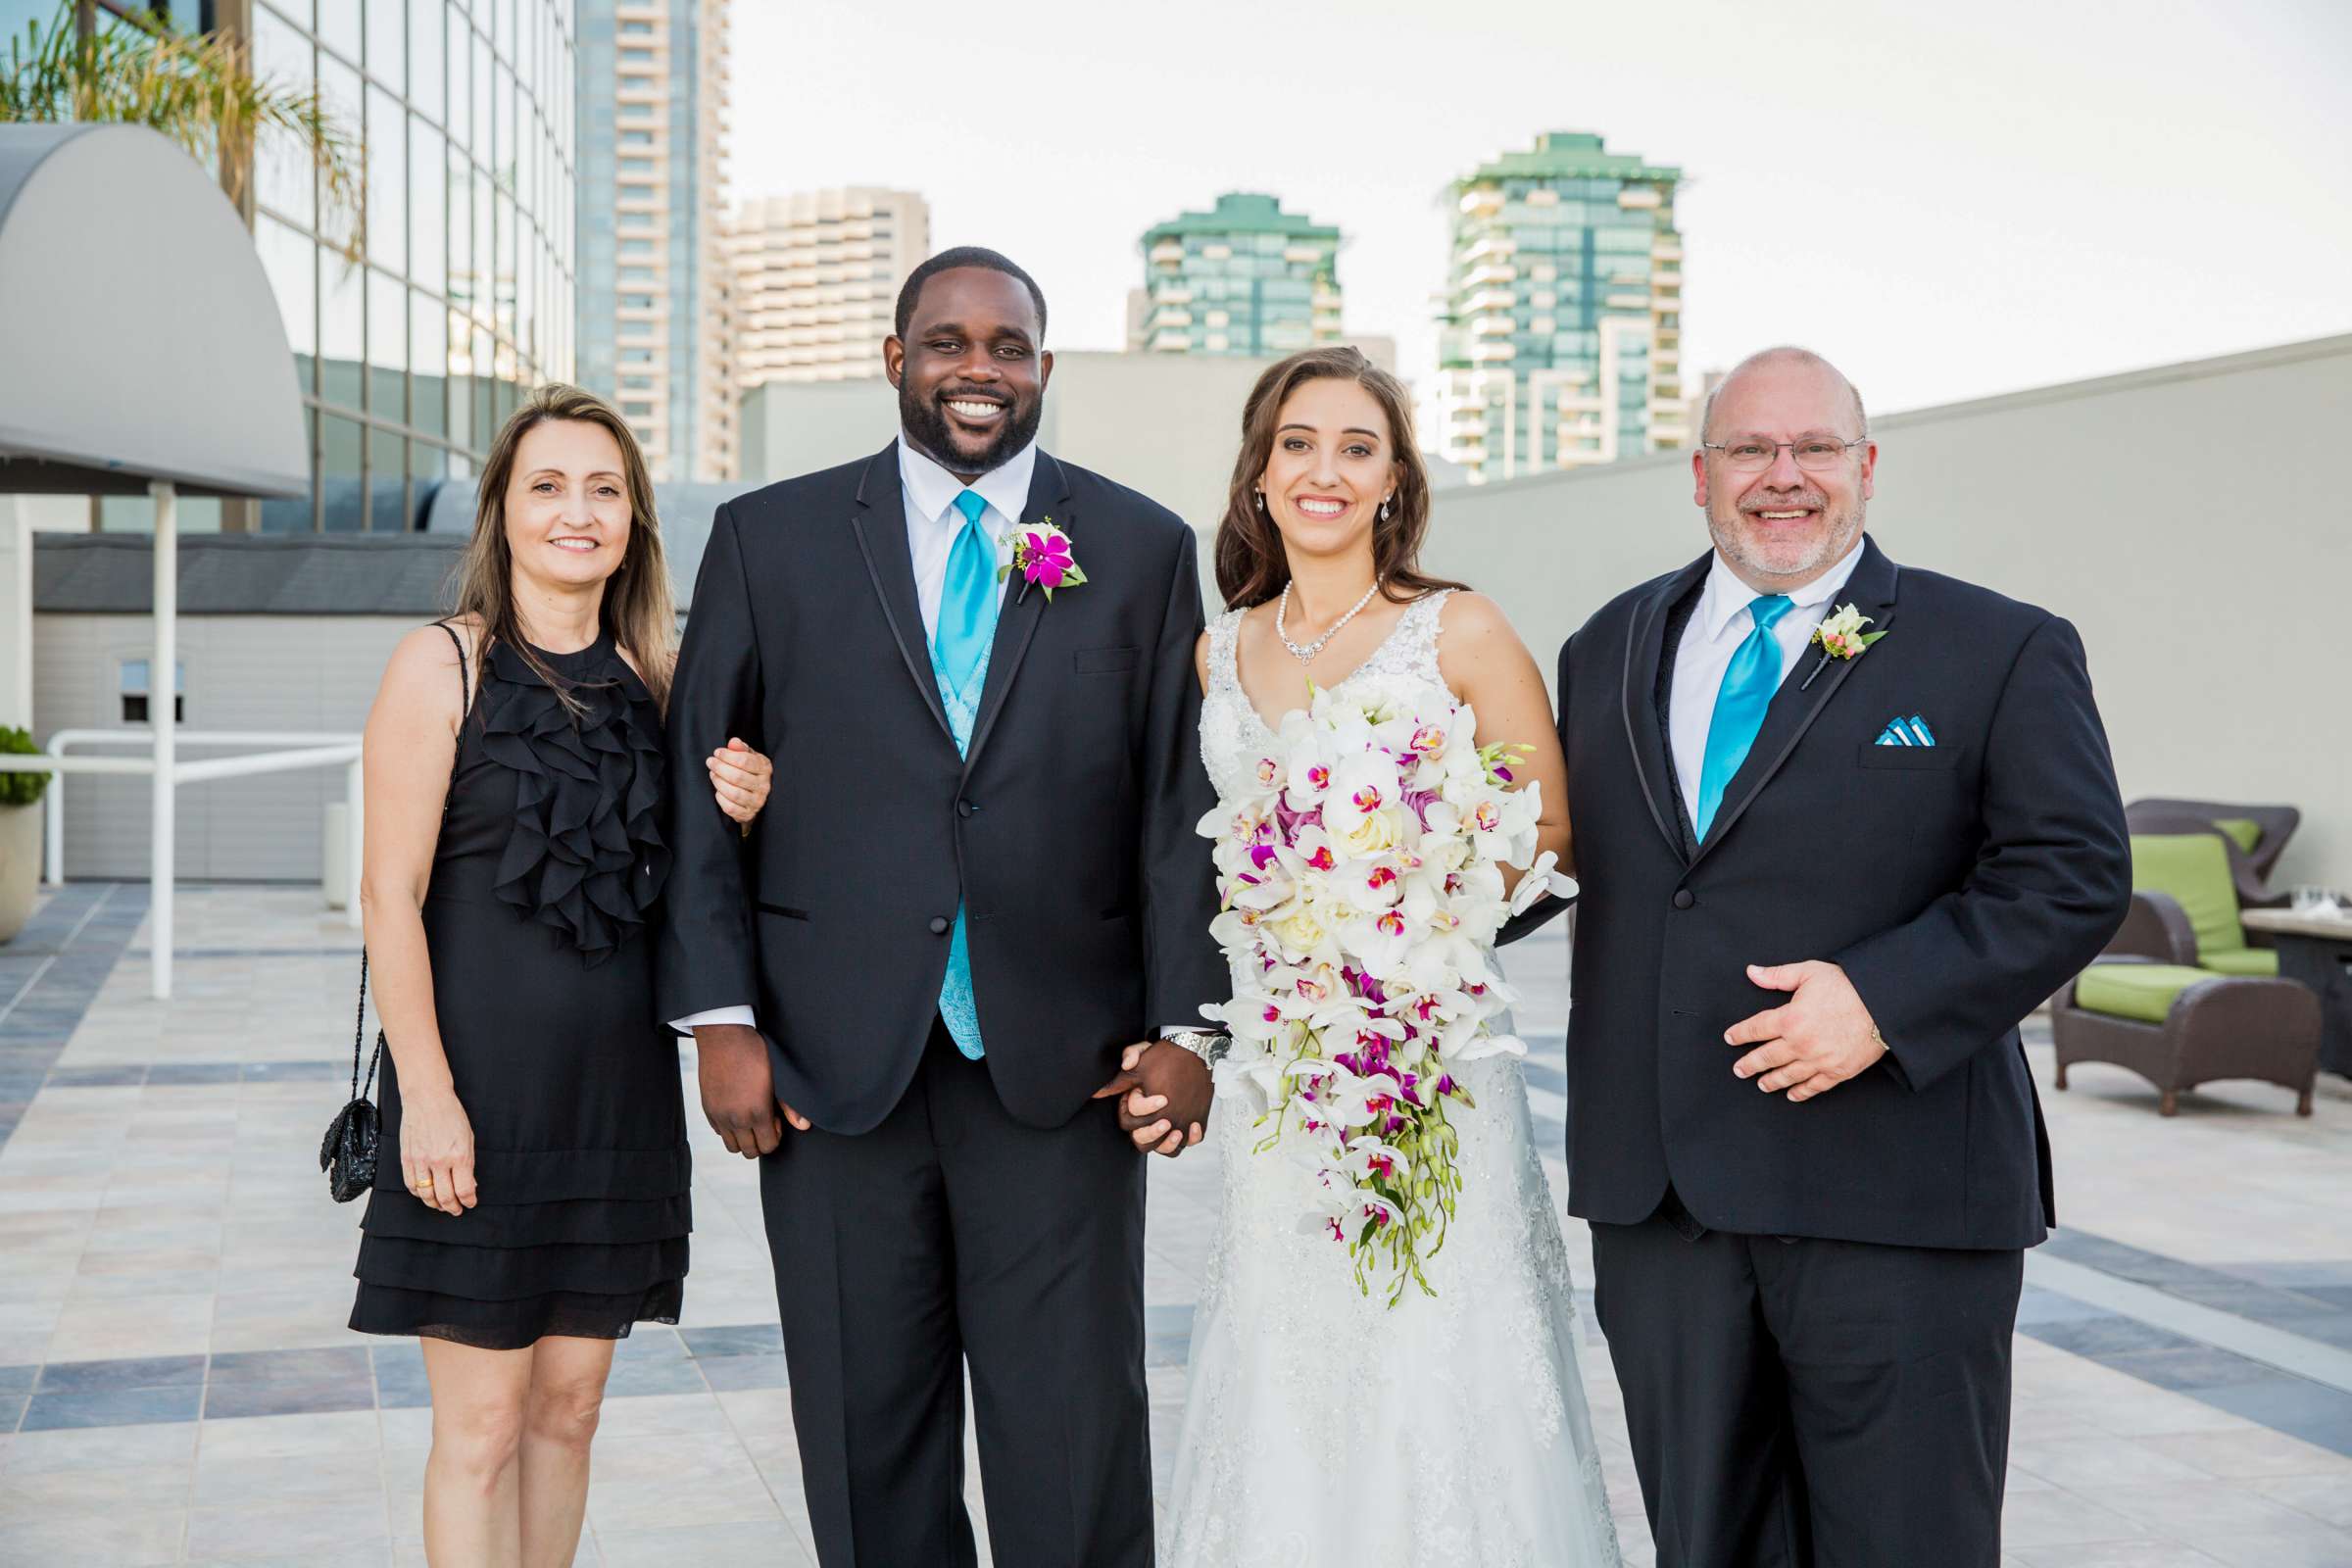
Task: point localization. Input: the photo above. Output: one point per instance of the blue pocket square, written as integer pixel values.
(1912, 731)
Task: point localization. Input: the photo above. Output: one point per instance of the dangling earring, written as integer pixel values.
(1261, 500)
(1384, 511)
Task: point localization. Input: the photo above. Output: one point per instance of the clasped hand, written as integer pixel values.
(1166, 1092)
(1819, 1038)
(738, 1089)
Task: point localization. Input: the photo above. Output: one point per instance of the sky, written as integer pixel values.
(1949, 201)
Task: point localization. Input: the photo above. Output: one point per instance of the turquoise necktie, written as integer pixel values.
(961, 644)
(1753, 676)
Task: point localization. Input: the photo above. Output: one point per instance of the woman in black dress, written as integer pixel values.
(537, 1207)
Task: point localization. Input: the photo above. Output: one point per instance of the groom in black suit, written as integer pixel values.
(1823, 882)
(975, 883)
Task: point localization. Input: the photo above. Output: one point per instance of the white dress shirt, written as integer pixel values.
(933, 521)
(1717, 627)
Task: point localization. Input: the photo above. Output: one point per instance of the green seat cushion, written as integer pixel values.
(2243, 831)
(2194, 870)
(2142, 991)
(2261, 962)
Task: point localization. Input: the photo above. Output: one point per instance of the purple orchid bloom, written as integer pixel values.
(1048, 559)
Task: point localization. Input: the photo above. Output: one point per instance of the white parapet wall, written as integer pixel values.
(2194, 520)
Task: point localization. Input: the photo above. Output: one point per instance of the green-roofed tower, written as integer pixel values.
(1245, 277)
(1560, 333)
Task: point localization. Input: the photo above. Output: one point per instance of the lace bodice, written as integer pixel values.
(1232, 729)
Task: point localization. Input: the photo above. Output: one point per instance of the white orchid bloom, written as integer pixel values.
(1540, 880)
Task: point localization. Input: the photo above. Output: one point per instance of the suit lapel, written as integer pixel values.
(1017, 618)
(1644, 655)
(880, 521)
(1804, 693)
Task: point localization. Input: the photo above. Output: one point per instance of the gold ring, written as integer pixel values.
(424, 1183)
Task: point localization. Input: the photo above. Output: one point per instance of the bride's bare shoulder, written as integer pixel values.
(1477, 638)
(1470, 616)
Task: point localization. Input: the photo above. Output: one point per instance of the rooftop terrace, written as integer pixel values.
(176, 1385)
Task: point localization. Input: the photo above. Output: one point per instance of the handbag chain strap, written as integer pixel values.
(358, 1034)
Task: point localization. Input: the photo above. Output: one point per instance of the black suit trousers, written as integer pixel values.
(953, 1234)
(1807, 1404)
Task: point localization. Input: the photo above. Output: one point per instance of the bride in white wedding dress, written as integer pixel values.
(1324, 1428)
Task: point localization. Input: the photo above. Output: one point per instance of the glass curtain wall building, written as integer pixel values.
(655, 295)
(186, 16)
(1560, 336)
(1245, 278)
(418, 321)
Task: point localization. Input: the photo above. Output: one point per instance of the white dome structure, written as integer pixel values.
(139, 338)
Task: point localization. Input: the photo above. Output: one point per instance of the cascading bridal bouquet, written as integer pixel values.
(1361, 887)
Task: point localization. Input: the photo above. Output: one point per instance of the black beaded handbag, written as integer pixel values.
(348, 1154)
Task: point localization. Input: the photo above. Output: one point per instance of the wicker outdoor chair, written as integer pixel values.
(2178, 997)
(2256, 834)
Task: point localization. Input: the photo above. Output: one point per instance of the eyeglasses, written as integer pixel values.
(1815, 454)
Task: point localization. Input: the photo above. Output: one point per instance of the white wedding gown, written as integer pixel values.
(1324, 1429)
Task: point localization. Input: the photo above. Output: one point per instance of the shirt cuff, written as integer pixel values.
(736, 1014)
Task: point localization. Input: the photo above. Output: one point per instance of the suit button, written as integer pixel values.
(965, 807)
(1682, 899)
(939, 925)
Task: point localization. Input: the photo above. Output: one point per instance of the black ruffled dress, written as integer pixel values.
(545, 886)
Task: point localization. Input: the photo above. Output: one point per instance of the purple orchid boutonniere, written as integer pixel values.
(1041, 554)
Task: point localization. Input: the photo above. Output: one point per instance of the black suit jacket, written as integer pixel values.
(1958, 886)
(1068, 833)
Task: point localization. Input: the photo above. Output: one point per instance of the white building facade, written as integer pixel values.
(816, 278)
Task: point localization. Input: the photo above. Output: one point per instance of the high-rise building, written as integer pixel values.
(1245, 277)
(655, 336)
(1561, 331)
(413, 351)
(817, 281)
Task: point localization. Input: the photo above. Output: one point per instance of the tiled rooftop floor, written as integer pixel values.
(176, 1385)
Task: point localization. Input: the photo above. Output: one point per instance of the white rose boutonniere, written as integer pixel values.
(1840, 636)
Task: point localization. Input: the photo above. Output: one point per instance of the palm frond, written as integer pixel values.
(199, 91)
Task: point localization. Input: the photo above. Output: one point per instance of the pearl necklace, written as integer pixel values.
(1307, 655)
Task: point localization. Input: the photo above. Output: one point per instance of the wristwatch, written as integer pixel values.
(1211, 1047)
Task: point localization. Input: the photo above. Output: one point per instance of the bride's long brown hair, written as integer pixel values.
(1251, 564)
(638, 604)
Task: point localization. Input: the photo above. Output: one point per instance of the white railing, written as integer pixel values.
(162, 762)
(309, 749)
(323, 749)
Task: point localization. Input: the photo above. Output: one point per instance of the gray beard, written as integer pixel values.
(1835, 545)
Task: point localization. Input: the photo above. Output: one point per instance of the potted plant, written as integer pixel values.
(19, 835)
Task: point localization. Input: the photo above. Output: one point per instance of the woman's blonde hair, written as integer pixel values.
(638, 604)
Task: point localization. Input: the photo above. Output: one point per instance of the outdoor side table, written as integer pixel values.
(2316, 949)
